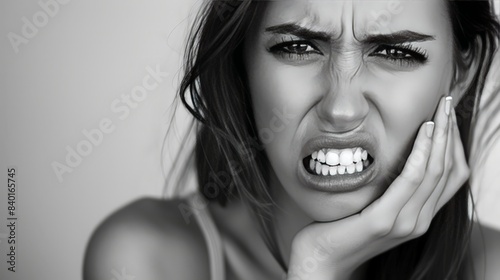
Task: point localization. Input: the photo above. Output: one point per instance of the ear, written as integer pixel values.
(465, 69)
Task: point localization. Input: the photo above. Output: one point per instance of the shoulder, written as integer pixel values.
(148, 239)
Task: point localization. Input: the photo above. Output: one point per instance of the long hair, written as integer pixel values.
(231, 162)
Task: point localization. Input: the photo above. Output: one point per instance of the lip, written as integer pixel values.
(338, 183)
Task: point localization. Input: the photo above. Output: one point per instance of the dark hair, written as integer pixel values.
(230, 160)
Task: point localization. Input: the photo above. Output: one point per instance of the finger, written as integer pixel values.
(460, 172)
(427, 213)
(436, 165)
(386, 208)
(407, 219)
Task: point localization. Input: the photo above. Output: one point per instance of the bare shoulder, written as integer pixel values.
(148, 239)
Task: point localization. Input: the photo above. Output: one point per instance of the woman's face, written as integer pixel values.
(332, 79)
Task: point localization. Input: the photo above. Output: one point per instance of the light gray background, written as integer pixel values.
(62, 81)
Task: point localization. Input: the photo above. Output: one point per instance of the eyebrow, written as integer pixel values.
(398, 37)
(299, 31)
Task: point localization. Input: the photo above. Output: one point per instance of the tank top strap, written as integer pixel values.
(198, 204)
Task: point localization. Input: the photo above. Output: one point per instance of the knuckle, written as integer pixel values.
(464, 180)
(421, 229)
(465, 174)
(412, 175)
(403, 229)
(381, 228)
(423, 225)
(461, 175)
(436, 171)
(411, 179)
(422, 148)
(440, 133)
(418, 156)
(447, 168)
(449, 163)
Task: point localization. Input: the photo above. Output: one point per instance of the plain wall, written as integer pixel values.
(63, 80)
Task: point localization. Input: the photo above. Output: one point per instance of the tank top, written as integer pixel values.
(211, 235)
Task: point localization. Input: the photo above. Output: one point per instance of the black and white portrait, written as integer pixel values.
(250, 139)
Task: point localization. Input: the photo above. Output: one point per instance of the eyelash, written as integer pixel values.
(280, 49)
(417, 55)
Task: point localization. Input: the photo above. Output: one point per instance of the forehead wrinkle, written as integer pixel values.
(345, 61)
(312, 20)
(348, 55)
(353, 25)
(347, 20)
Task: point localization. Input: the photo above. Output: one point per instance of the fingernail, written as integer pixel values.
(429, 128)
(447, 105)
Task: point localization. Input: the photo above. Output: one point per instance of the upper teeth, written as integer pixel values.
(343, 157)
(333, 161)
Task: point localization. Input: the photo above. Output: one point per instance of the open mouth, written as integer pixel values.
(337, 162)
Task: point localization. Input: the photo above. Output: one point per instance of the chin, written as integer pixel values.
(326, 207)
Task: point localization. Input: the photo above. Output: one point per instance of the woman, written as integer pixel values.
(331, 143)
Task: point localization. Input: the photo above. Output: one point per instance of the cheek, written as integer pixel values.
(281, 96)
(404, 101)
(274, 83)
(407, 99)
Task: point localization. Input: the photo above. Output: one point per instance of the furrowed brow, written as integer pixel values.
(399, 37)
(404, 36)
(299, 31)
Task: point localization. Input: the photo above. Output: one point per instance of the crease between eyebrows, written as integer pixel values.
(397, 37)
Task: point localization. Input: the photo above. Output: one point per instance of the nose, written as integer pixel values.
(343, 107)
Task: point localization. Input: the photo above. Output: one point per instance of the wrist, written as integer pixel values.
(308, 270)
(316, 276)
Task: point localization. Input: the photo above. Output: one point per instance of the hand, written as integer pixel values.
(434, 171)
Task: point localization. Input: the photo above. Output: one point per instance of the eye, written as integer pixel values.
(395, 53)
(298, 48)
(405, 55)
(295, 50)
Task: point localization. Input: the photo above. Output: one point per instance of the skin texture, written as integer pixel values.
(342, 86)
(344, 89)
